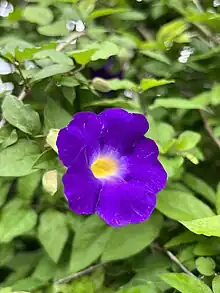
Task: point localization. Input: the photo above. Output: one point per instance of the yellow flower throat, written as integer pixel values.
(103, 167)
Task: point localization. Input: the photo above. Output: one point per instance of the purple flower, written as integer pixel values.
(107, 70)
(113, 169)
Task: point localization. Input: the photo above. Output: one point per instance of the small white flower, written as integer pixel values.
(5, 67)
(183, 59)
(80, 26)
(185, 53)
(70, 25)
(6, 87)
(29, 64)
(5, 8)
(216, 3)
(128, 93)
(3, 4)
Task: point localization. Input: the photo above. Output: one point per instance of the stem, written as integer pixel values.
(209, 129)
(173, 258)
(79, 274)
(176, 261)
(25, 90)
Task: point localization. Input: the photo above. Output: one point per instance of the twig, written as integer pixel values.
(79, 274)
(175, 259)
(66, 42)
(209, 129)
(198, 5)
(145, 33)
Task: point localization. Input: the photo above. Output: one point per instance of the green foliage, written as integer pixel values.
(164, 61)
(16, 220)
(21, 116)
(24, 154)
(53, 233)
(207, 226)
(37, 14)
(205, 265)
(186, 284)
(121, 245)
(182, 206)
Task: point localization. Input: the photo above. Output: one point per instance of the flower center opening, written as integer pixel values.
(103, 167)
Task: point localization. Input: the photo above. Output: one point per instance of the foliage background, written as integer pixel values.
(168, 51)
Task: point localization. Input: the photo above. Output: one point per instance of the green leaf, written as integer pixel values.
(83, 56)
(218, 199)
(120, 84)
(216, 284)
(103, 12)
(176, 103)
(209, 18)
(187, 140)
(27, 185)
(140, 289)
(10, 140)
(20, 115)
(56, 29)
(205, 265)
(155, 260)
(183, 238)
(16, 220)
(149, 83)
(55, 56)
(151, 275)
(45, 269)
(105, 50)
(37, 14)
(185, 283)
(200, 186)
(157, 56)
(119, 103)
(171, 31)
(22, 54)
(24, 154)
(208, 226)
(4, 189)
(90, 240)
(55, 116)
(171, 165)
(6, 290)
(7, 253)
(182, 206)
(121, 245)
(28, 284)
(131, 15)
(47, 160)
(52, 70)
(208, 247)
(53, 233)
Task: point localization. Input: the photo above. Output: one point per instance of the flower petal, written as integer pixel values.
(121, 203)
(69, 144)
(82, 132)
(81, 187)
(144, 167)
(121, 129)
(90, 126)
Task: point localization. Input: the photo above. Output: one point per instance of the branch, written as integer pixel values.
(173, 258)
(176, 261)
(66, 42)
(209, 129)
(79, 274)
